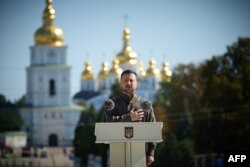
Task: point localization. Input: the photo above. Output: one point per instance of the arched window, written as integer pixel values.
(52, 87)
(53, 140)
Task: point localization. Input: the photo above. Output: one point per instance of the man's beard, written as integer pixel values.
(129, 91)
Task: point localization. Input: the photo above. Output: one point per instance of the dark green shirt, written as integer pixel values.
(120, 113)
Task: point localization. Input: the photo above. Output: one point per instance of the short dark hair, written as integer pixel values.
(128, 72)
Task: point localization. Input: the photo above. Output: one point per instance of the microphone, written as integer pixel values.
(146, 105)
(109, 105)
(140, 104)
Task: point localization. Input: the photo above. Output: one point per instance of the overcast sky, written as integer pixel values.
(177, 31)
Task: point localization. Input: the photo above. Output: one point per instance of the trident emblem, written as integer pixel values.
(128, 132)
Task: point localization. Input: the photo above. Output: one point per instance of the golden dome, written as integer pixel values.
(115, 70)
(142, 70)
(49, 34)
(127, 55)
(166, 74)
(152, 71)
(104, 71)
(87, 74)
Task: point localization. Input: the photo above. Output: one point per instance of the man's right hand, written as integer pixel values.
(136, 115)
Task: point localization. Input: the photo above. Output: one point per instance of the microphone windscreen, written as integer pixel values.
(146, 105)
(109, 105)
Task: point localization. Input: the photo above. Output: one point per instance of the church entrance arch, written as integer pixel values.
(53, 140)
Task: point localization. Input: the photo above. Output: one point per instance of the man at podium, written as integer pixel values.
(128, 107)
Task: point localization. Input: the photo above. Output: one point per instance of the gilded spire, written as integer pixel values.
(127, 55)
(49, 12)
(87, 74)
(166, 74)
(49, 34)
(152, 71)
(104, 71)
(142, 70)
(126, 37)
(115, 70)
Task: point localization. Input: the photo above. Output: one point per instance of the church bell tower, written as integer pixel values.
(49, 117)
(48, 76)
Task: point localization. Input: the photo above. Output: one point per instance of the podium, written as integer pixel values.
(127, 141)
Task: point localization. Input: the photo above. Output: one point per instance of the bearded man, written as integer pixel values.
(128, 107)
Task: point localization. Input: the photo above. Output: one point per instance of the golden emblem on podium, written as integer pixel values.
(129, 132)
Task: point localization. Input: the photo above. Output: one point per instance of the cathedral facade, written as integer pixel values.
(95, 90)
(49, 117)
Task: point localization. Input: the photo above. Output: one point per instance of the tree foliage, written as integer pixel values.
(217, 95)
(84, 141)
(179, 98)
(225, 101)
(89, 116)
(173, 152)
(115, 89)
(227, 78)
(10, 118)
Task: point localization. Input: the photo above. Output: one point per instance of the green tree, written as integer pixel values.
(180, 98)
(186, 85)
(10, 118)
(225, 101)
(84, 141)
(216, 94)
(161, 106)
(227, 78)
(175, 153)
(21, 102)
(238, 63)
(163, 94)
(115, 89)
(2, 98)
(89, 116)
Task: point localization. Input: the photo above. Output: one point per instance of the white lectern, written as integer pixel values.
(127, 141)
